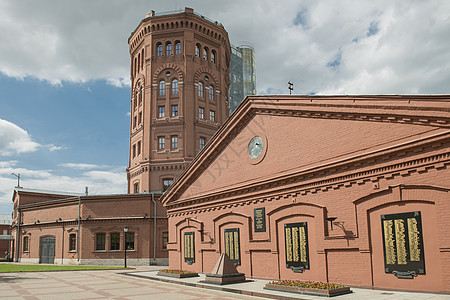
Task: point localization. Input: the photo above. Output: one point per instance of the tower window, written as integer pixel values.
(174, 142)
(161, 143)
(134, 151)
(205, 53)
(167, 183)
(139, 62)
(140, 98)
(174, 87)
(211, 93)
(139, 148)
(200, 89)
(140, 118)
(197, 50)
(213, 57)
(202, 143)
(174, 110)
(161, 112)
(177, 48)
(136, 188)
(201, 112)
(159, 49)
(212, 115)
(162, 88)
(169, 49)
(134, 121)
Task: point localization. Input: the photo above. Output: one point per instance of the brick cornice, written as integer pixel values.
(359, 172)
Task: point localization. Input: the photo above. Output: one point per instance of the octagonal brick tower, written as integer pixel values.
(179, 95)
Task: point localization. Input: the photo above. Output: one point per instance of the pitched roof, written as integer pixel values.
(431, 110)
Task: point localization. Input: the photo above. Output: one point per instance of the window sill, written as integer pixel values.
(72, 251)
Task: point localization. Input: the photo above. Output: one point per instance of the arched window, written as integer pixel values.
(159, 49)
(197, 50)
(211, 93)
(177, 48)
(174, 87)
(139, 62)
(200, 89)
(169, 49)
(213, 57)
(205, 53)
(162, 88)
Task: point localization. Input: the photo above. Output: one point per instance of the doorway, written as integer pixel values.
(47, 250)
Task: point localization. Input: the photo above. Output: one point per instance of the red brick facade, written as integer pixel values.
(74, 221)
(354, 187)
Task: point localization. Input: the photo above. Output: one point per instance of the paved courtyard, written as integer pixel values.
(142, 283)
(98, 285)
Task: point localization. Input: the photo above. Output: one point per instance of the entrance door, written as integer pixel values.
(47, 250)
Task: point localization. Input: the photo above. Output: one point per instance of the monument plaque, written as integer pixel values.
(189, 249)
(403, 244)
(260, 219)
(296, 242)
(232, 245)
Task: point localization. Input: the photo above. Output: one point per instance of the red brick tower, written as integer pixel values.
(179, 96)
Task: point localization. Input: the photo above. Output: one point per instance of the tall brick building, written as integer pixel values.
(180, 81)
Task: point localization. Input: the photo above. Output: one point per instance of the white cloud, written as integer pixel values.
(53, 148)
(81, 166)
(14, 139)
(383, 46)
(111, 181)
(119, 82)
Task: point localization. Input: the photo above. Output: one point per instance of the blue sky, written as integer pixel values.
(64, 71)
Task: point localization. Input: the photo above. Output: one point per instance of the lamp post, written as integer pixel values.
(125, 230)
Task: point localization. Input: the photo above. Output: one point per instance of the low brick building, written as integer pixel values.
(343, 189)
(66, 228)
(5, 236)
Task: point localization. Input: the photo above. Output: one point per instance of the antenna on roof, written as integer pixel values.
(290, 87)
(18, 179)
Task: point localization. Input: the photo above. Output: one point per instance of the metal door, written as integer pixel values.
(47, 250)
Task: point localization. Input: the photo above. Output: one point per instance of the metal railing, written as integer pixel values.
(179, 11)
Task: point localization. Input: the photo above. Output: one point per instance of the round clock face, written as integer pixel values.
(255, 147)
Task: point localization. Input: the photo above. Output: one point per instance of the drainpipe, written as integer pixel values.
(16, 257)
(78, 235)
(62, 246)
(9, 242)
(154, 227)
